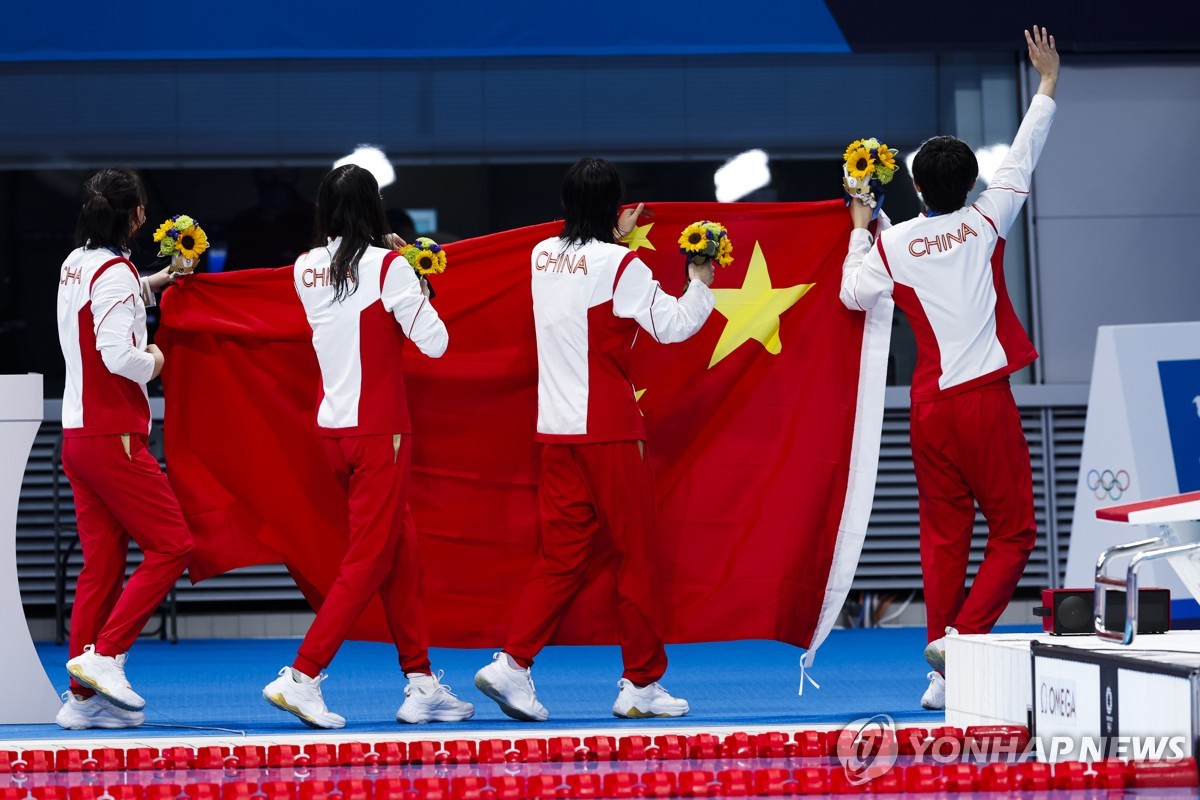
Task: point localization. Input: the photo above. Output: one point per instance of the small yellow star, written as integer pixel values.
(753, 311)
(639, 237)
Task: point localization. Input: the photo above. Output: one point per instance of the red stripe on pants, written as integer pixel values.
(382, 555)
(119, 496)
(588, 491)
(970, 448)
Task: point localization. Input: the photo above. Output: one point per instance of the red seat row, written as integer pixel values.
(615, 785)
(672, 747)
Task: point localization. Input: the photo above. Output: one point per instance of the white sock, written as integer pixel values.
(423, 681)
(512, 663)
(300, 677)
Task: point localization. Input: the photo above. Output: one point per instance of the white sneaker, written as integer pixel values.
(106, 674)
(934, 698)
(512, 689)
(79, 714)
(935, 651)
(427, 699)
(648, 701)
(299, 694)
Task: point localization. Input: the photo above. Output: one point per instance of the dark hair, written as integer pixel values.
(110, 199)
(349, 206)
(945, 169)
(591, 200)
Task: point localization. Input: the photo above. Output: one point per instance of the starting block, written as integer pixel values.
(1166, 513)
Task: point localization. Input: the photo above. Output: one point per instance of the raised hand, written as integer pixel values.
(627, 221)
(161, 279)
(860, 213)
(1044, 57)
(702, 272)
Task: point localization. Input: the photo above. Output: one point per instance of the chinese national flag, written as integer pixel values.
(763, 432)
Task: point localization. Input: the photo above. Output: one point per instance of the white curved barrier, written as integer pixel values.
(31, 696)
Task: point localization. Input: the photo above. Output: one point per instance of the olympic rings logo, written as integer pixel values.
(1108, 484)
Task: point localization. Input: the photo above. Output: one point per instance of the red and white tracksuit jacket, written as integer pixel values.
(119, 490)
(946, 272)
(590, 302)
(362, 417)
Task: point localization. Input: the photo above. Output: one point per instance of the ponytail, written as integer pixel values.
(111, 198)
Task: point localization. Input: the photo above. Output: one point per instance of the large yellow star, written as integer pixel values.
(752, 312)
(639, 237)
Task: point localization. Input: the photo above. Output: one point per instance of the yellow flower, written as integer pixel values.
(887, 157)
(423, 258)
(430, 263)
(857, 143)
(860, 164)
(192, 242)
(725, 252)
(694, 238)
(162, 230)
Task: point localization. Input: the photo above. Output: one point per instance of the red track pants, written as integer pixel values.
(970, 448)
(588, 491)
(119, 495)
(382, 556)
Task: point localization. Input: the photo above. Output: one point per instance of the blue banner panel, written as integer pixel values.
(1181, 395)
(225, 29)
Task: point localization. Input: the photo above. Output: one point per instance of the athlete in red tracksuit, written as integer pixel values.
(120, 491)
(363, 301)
(590, 297)
(945, 270)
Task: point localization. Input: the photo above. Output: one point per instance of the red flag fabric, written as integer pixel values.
(763, 432)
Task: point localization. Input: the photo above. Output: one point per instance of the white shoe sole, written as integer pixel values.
(636, 713)
(279, 702)
(483, 685)
(931, 707)
(78, 674)
(110, 725)
(441, 716)
(935, 658)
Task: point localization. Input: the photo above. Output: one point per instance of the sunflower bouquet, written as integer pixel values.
(869, 166)
(706, 241)
(426, 257)
(181, 238)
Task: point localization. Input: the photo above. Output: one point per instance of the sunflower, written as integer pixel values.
(426, 257)
(725, 252)
(857, 143)
(887, 157)
(430, 263)
(694, 238)
(859, 163)
(192, 242)
(161, 233)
